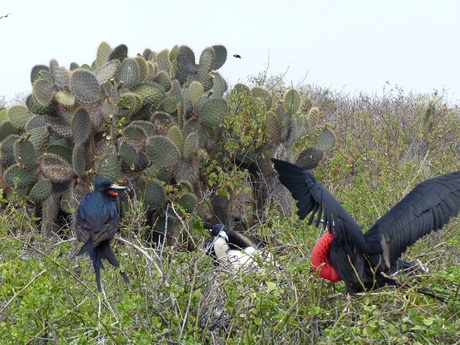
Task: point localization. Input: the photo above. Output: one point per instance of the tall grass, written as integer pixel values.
(385, 146)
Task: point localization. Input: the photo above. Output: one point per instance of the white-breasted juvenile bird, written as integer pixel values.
(235, 249)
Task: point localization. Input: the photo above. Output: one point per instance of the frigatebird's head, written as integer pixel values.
(104, 185)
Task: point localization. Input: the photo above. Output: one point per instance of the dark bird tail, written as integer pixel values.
(107, 253)
(101, 251)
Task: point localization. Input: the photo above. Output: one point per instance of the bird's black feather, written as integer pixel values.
(96, 223)
(428, 207)
(236, 240)
(363, 261)
(312, 198)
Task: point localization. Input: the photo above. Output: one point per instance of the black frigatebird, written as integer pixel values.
(96, 223)
(365, 261)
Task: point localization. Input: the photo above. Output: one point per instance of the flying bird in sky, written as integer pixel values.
(365, 261)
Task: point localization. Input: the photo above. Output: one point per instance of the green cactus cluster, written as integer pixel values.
(141, 118)
(275, 125)
(155, 120)
(287, 126)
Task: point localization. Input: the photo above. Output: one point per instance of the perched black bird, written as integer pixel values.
(233, 246)
(96, 223)
(366, 260)
(237, 56)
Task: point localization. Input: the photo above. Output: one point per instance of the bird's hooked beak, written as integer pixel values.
(114, 188)
(223, 234)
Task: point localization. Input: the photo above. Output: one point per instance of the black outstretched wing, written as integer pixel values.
(428, 207)
(312, 198)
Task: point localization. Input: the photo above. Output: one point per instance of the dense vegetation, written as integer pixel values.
(383, 147)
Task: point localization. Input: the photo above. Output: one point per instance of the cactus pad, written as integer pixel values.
(128, 154)
(205, 77)
(150, 94)
(191, 144)
(186, 60)
(19, 115)
(79, 160)
(195, 91)
(37, 108)
(25, 154)
(220, 56)
(81, 126)
(219, 86)
(142, 67)
(241, 88)
(129, 73)
(162, 58)
(188, 202)
(207, 59)
(326, 140)
(213, 112)
(7, 156)
(38, 72)
(175, 134)
(263, 94)
(18, 177)
(65, 98)
(292, 102)
(130, 103)
(170, 104)
(162, 151)
(109, 166)
(56, 168)
(60, 75)
(313, 117)
(119, 52)
(163, 79)
(103, 53)
(85, 86)
(135, 135)
(60, 150)
(6, 129)
(43, 91)
(147, 126)
(41, 191)
(151, 193)
(39, 137)
(273, 127)
(106, 71)
(309, 158)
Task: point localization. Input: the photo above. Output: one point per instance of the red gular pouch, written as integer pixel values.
(113, 193)
(319, 258)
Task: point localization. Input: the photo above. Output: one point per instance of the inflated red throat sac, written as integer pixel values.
(320, 261)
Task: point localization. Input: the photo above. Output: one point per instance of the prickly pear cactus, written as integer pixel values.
(122, 117)
(157, 120)
(278, 128)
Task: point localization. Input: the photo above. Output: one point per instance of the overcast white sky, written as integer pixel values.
(351, 46)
